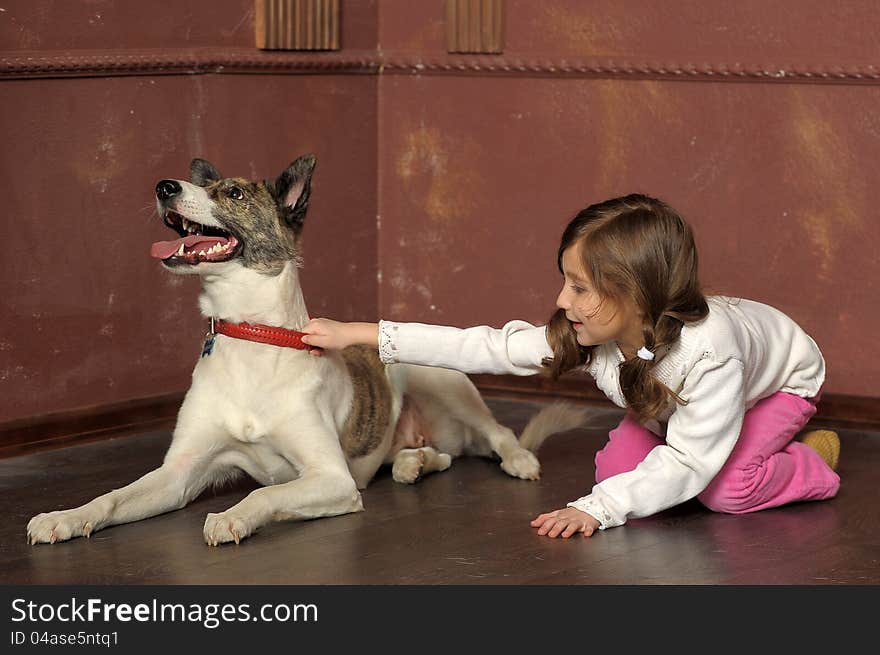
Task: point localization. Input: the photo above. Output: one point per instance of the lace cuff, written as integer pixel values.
(387, 347)
(589, 505)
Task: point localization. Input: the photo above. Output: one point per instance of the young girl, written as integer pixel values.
(717, 388)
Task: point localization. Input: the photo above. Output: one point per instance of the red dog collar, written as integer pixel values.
(274, 336)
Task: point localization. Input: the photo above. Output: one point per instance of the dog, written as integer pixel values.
(313, 431)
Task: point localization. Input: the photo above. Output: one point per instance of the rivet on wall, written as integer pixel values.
(297, 24)
(475, 26)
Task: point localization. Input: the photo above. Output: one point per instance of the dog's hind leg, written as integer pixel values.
(412, 463)
(181, 478)
(459, 397)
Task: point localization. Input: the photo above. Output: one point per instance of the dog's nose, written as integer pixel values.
(167, 188)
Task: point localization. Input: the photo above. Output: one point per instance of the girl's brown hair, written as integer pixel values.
(634, 247)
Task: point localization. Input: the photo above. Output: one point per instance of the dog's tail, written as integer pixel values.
(558, 417)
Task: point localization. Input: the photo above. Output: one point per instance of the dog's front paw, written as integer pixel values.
(521, 463)
(58, 526)
(225, 527)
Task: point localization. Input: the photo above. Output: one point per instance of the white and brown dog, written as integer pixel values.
(313, 431)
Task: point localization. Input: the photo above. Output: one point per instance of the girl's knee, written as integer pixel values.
(722, 501)
(628, 444)
(612, 460)
(606, 466)
(735, 489)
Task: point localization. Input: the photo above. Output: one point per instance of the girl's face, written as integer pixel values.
(597, 320)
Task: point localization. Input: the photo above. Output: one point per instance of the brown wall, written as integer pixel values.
(451, 176)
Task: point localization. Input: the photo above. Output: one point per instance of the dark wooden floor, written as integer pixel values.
(468, 525)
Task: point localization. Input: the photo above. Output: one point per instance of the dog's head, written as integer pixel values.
(232, 221)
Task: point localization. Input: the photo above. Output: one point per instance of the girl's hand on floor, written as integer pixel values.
(564, 523)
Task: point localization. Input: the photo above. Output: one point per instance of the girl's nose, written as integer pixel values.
(562, 300)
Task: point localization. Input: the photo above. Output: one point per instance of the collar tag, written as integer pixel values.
(208, 345)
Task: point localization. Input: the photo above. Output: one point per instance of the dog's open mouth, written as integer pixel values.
(197, 243)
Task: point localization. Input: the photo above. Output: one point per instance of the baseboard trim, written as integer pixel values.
(49, 431)
(58, 429)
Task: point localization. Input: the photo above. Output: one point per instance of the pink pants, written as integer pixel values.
(766, 468)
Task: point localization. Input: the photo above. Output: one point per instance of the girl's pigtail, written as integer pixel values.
(567, 352)
(645, 394)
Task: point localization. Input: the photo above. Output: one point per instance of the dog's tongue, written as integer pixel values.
(165, 249)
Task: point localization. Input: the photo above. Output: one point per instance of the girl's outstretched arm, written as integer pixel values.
(565, 522)
(323, 333)
(517, 347)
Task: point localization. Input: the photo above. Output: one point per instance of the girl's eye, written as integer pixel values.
(577, 289)
(235, 193)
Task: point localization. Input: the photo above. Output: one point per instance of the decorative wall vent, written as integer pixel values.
(475, 26)
(297, 24)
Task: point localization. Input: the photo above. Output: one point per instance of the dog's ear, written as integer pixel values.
(292, 190)
(202, 172)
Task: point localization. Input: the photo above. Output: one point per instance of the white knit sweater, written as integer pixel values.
(741, 352)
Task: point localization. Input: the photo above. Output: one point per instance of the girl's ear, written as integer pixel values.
(292, 189)
(202, 172)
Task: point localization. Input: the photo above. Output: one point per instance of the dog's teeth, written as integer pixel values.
(180, 250)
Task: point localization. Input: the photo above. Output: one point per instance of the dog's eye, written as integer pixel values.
(235, 193)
